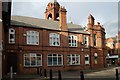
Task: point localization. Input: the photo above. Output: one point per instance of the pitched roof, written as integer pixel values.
(43, 23)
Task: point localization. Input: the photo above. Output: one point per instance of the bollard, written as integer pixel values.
(40, 71)
(59, 75)
(81, 75)
(45, 74)
(50, 74)
(11, 72)
(117, 77)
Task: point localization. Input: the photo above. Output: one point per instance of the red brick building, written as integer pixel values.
(52, 43)
(113, 48)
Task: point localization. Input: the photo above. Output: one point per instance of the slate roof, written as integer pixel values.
(44, 23)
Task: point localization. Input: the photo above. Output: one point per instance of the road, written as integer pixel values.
(102, 74)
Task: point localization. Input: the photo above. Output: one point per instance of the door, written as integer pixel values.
(11, 61)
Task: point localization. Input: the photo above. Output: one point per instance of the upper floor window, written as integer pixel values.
(72, 41)
(95, 39)
(86, 40)
(54, 39)
(73, 59)
(32, 60)
(55, 59)
(87, 59)
(33, 37)
(11, 35)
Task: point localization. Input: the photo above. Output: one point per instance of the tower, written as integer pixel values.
(91, 19)
(90, 28)
(52, 10)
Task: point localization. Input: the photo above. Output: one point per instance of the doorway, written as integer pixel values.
(11, 62)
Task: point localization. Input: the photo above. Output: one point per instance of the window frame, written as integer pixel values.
(54, 38)
(73, 41)
(95, 39)
(71, 57)
(57, 56)
(32, 55)
(32, 37)
(95, 58)
(86, 40)
(88, 61)
(12, 33)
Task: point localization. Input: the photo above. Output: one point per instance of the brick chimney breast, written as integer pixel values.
(62, 21)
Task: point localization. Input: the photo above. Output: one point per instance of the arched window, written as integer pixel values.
(33, 37)
(11, 35)
(54, 39)
(55, 59)
(87, 59)
(96, 58)
(50, 16)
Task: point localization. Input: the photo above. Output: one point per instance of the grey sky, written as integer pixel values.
(104, 12)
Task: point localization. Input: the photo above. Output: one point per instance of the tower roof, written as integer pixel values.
(53, 1)
(90, 16)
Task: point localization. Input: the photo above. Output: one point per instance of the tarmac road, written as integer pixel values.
(102, 74)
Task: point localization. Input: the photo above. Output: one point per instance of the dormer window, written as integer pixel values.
(11, 36)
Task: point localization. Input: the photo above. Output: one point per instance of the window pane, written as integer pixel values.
(49, 60)
(54, 54)
(54, 60)
(77, 60)
(27, 61)
(69, 60)
(33, 62)
(50, 55)
(38, 60)
(59, 60)
(86, 58)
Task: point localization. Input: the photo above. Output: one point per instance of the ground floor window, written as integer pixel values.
(55, 59)
(32, 60)
(86, 59)
(73, 59)
(96, 58)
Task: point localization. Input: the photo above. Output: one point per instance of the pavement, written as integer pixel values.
(108, 73)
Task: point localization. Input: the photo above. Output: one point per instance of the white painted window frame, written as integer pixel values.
(32, 37)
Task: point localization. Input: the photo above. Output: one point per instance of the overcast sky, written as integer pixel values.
(77, 11)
